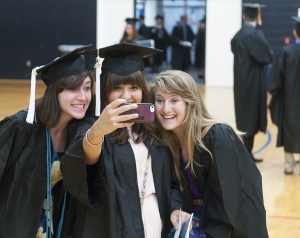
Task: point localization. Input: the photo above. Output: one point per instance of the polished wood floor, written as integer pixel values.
(281, 192)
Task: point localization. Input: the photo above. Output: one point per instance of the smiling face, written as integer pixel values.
(170, 110)
(132, 93)
(74, 103)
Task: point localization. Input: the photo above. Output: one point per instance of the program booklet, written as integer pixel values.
(183, 230)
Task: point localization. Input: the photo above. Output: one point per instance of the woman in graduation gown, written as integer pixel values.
(219, 180)
(31, 146)
(136, 173)
(130, 34)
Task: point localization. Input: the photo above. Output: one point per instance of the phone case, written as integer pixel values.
(146, 113)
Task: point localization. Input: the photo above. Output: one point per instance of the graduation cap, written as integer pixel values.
(64, 66)
(252, 10)
(131, 21)
(121, 59)
(297, 19)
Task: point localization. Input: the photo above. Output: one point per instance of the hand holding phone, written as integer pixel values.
(146, 112)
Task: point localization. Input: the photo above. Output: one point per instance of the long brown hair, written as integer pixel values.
(47, 107)
(134, 35)
(109, 81)
(197, 120)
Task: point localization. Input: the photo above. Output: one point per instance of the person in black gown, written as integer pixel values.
(31, 185)
(182, 39)
(144, 30)
(219, 181)
(200, 49)
(251, 53)
(284, 85)
(110, 145)
(162, 40)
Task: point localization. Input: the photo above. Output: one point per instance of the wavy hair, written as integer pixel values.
(198, 120)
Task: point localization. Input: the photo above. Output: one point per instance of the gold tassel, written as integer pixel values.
(259, 21)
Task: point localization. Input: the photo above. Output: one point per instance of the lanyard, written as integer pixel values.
(49, 227)
(143, 192)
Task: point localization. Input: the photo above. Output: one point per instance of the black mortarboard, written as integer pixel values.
(124, 58)
(121, 59)
(131, 21)
(297, 19)
(64, 66)
(252, 10)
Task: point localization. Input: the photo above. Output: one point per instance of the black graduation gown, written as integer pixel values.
(23, 177)
(232, 187)
(284, 85)
(181, 57)
(145, 31)
(119, 214)
(161, 39)
(200, 50)
(251, 52)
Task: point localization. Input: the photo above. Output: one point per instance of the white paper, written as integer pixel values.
(177, 233)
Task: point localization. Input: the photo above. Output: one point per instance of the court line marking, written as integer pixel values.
(266, 144)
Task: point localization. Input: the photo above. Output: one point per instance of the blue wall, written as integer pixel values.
(32, 30)
(277, 22)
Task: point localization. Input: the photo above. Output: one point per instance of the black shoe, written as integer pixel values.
(257, 160)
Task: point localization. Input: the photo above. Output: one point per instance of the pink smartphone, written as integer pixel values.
(146, 112)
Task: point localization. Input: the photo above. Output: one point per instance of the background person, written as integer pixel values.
(182, 38)
(144, 30)
(251, 53)
(162, 40)
(200, 49)
(284, 85)
(130, 34)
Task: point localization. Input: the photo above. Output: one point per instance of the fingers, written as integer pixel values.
(111, 118)
(116, 103)
(121, 113)
(174, 218)
(125, 108)
(175, 223)
(125, 118)
(185, 215)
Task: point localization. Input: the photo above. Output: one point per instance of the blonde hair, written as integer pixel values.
(197, 121)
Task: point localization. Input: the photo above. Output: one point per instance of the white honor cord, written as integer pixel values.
(31, 108)
(98, 96)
